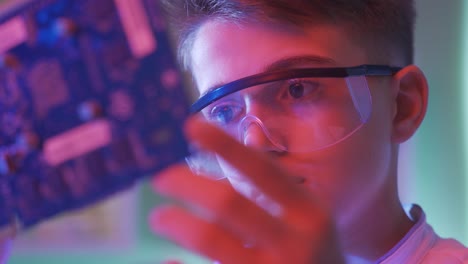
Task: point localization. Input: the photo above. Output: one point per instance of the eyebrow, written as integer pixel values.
(296, 61)
(285, 64)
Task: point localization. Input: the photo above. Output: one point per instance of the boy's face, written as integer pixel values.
(353, 175)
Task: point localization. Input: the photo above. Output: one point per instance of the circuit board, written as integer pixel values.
(91, 100)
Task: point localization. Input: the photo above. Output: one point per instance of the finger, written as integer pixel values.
(261, 170)
(195, 234)
(217, 201)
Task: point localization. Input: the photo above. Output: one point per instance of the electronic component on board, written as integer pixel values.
(90, 101)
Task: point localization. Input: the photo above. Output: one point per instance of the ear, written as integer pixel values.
(411, 92)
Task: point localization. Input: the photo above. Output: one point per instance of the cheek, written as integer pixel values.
(367, 154)
(359, 163)
(352, 174)
(367, 163)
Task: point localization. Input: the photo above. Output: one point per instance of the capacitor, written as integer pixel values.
(64, 27)
(9, 61)
(60, 28)
(28, 141)
(89, 110)
(8, 165)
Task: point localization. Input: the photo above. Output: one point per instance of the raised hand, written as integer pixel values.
(215, 221)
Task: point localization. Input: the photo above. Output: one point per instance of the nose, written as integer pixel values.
(254, 133)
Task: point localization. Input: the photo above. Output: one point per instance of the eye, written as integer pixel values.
(224, 113)
(298, 89)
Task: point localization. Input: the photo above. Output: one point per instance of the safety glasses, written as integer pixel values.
(295, 110)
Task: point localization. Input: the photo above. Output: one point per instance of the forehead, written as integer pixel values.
(223, 52)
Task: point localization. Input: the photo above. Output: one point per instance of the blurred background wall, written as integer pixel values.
(434, 163)
(433, 170)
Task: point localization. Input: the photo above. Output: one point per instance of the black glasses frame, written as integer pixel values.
(261, 78)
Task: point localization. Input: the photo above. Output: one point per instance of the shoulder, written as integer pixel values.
(446, 251)
(422, 245)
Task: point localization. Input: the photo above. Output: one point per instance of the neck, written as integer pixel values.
(378, 227)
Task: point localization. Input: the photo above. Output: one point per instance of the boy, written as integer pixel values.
(304, 106)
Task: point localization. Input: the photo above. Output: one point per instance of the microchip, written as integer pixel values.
(91, 101)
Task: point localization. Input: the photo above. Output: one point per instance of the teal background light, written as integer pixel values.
(464, 73)
(438, 149)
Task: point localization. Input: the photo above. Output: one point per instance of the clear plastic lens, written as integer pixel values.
(295, 115)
